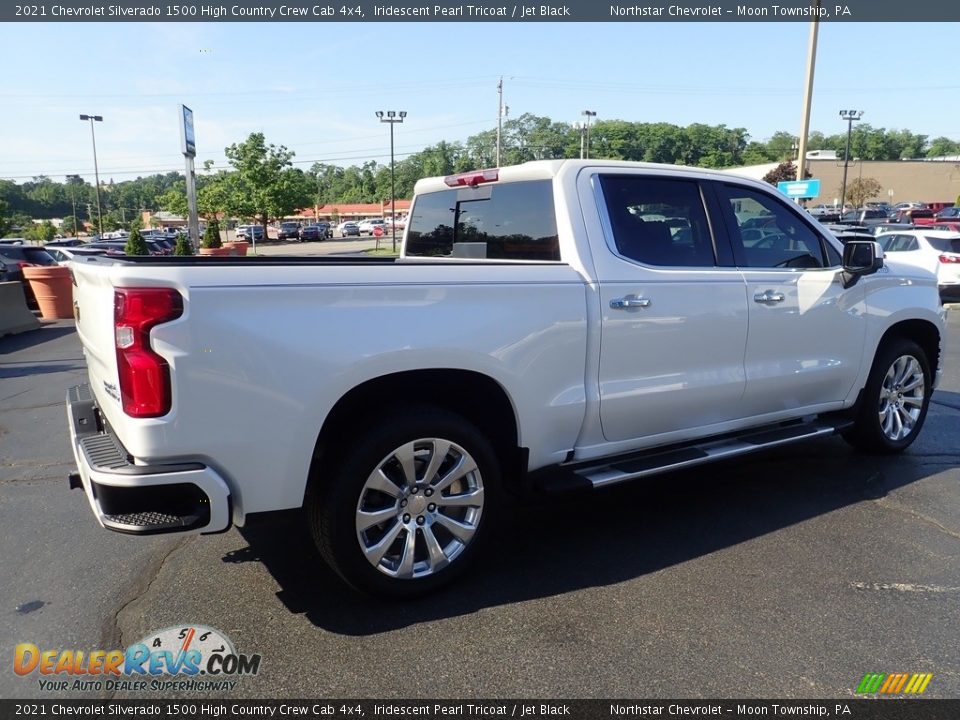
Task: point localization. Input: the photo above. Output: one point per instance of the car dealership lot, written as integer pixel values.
(789, 574)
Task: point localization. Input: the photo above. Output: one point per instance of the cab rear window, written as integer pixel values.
(512, 221)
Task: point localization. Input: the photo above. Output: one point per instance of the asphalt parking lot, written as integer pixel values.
(790, 574)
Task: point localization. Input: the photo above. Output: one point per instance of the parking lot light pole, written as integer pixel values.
(587, 114)
(393, 117)
(96, 171)
(850, 116)
(72, 181)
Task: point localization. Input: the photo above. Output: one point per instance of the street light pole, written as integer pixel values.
(72, 180)
(850, 116)
(588, 114)
(392, 117)
(96, 171)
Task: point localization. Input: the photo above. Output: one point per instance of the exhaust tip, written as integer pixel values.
(75, 482)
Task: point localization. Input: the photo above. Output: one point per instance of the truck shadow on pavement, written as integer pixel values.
(564, 544)
(47, 332)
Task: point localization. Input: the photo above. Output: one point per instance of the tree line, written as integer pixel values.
(262, 182)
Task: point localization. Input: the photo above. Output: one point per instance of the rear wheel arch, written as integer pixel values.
(476, 397)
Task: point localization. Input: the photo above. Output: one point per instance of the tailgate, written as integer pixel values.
(93, 311)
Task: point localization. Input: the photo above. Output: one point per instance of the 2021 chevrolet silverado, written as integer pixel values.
(584, 322)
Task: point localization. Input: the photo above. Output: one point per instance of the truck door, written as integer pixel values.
(806, 331)
(674, 309)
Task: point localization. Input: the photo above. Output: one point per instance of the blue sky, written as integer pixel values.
(314, 87)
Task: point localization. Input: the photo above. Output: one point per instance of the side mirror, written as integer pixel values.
(860, 257)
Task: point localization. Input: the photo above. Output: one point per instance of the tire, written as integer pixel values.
(406, 508)
(894, 402)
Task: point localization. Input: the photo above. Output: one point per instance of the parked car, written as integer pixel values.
(66, 254)
(65, 242)
(316, 231)
(948, 226)
(367, 226)
(948, 214)
(912, 205)
(935, 250)
(27, 255)
(912, 216)
(288, 231)
(12, 271)
(250, 232)
(866, 217)
(349, 228)
(13, 241)
(118, 247)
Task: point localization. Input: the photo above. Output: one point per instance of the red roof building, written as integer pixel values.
(352, 211)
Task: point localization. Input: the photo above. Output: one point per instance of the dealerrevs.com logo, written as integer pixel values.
(191, 658)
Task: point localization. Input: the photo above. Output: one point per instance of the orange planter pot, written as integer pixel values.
(238, 246)
(53, 288)
(220, 251)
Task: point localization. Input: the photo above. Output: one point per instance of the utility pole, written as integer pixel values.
(499, 117)
(807, 97)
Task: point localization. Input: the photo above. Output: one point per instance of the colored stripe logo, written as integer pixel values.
(894, 683)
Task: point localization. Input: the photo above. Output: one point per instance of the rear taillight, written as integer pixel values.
(144, 375)
(950, 258)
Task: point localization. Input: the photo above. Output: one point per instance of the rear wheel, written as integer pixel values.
(895, 399)
(407, 507)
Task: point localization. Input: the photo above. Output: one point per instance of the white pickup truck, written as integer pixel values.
(552, 324)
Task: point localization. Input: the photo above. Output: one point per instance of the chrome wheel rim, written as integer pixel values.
(420, 508)
(901, 398)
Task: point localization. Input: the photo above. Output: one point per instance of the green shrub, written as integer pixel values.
(211, 237)
(136, 245)
(183, 246)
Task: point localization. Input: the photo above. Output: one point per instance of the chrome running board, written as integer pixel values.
(659, 460)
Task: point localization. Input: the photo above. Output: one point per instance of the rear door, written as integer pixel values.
(674, 309)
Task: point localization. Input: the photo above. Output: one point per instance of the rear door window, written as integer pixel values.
(509, 221)
(658, 221)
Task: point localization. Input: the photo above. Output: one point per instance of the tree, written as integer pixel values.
(67, 227)
(941, 146)
(211, 236)
(266, 184)
(40, 233)
(174, 201)
(183, 246)
(859, 190)
(6, 222)
(784, 172)
(136, 245)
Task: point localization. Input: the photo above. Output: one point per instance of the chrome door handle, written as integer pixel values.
(630, 301)
(769, 296)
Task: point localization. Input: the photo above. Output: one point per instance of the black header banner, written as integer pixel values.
(480, 11)
(528, 709)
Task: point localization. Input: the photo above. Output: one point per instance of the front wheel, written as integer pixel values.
(895, 399)
(406, 508)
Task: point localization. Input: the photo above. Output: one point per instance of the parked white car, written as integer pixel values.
(935, 250)
(367, 226)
